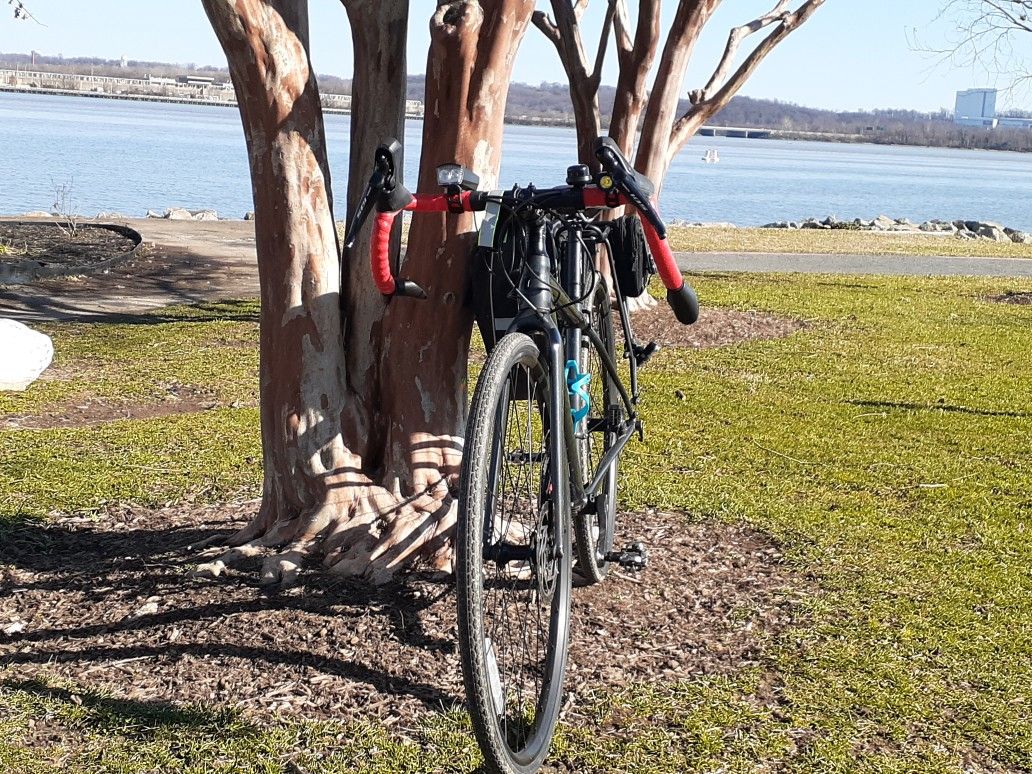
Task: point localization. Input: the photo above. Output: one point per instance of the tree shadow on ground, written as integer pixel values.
(946, 407)
(97, 599)
(108, 603)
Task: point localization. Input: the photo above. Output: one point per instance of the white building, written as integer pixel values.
(975, 107)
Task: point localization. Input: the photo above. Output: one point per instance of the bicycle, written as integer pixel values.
(549, 417)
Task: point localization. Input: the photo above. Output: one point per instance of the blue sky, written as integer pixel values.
(851, 54)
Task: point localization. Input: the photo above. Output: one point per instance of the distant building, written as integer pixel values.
(196, 80)
(977, 107)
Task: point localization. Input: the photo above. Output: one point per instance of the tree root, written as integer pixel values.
(371, 533)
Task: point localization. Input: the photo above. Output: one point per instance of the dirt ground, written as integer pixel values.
(107, 602)
(53, 243)
(1023, 299)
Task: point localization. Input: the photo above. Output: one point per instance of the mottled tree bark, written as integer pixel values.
(361, 430)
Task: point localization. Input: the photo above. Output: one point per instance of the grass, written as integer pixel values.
(886, 448)
(774, 240)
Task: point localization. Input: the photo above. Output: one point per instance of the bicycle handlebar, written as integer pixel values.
(628, 187)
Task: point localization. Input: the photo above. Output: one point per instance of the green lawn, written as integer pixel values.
(887, 448)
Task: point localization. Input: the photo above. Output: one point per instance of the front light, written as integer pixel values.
(449, 175)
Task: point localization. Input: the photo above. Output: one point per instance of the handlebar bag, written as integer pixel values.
(631, 256)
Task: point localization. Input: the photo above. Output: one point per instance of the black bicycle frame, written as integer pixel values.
(542, 300)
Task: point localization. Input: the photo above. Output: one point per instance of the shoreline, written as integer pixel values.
(709, 131)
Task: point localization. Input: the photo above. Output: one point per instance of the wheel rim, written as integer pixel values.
(524, 626)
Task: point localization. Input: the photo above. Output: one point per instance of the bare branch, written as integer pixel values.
(21, 12)
(707, 105)
(621, 25)
(603, 40)
(738, 34)
(547, 26)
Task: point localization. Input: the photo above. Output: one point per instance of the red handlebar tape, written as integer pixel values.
(593, 197)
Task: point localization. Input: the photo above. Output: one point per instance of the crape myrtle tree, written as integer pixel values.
(654, 108)
(363, 400)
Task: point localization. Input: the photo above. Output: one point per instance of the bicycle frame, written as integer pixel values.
(535, 318)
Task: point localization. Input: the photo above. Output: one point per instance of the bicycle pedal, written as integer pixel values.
(634, 557)
(643, 352)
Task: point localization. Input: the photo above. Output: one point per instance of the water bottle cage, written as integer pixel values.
(577, 385)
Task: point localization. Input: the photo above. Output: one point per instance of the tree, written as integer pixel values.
(662, 137)
(362, 399)
(663, 132)
(987, 34)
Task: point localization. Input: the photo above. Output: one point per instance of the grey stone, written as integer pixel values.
(250, 216)
(1021, 237)
(154, 214)
(883, 223)
(204, 214)
(178, 213)
(993, 232)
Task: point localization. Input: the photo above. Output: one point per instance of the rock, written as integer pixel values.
(249, 215)
(1021, 237)
(35, 214)
(882, 223)
(810, 223)
(154, 214)
(26, 354)
(110, 216)
(178, 213)
(993, 232)
(204, 214)
(966, 234)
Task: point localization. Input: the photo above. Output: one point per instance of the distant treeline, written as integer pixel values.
(549, 103)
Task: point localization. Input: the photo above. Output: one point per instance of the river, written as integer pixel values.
(129, 157)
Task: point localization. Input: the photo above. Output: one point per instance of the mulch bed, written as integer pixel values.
(51, 243)
(715, 327)
(1023, 299)
(107, 603)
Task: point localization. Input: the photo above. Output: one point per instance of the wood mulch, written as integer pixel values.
(715, 327)
(107, 602)
(1013, 297)
(56, 244)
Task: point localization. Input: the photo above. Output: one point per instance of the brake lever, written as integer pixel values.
(365, 206)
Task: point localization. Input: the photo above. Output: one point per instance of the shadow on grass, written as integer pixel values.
(133, 717)
(938, 407)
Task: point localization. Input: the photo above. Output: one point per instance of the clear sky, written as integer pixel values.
(851, 54)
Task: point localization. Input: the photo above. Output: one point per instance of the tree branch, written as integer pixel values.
(603, 39)
(734, 40)
(621, 26)
(547, 26)
(707, 105)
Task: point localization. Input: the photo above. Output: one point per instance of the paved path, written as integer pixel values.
(932, 265)
(188, 262)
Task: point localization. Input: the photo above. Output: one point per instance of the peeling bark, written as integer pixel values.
(361, 429)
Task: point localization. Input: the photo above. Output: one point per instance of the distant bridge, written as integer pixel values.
(735, 131)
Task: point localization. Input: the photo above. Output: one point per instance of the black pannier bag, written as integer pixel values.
(631, 256)
(496, 272)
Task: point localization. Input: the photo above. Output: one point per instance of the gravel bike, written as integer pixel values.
(548, 420)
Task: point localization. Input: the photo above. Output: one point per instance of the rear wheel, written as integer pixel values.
(513, 562)
(596, 523)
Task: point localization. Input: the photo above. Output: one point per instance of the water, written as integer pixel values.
(129, 157)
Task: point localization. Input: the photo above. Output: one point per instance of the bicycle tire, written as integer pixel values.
(594, 526)
(503, 671)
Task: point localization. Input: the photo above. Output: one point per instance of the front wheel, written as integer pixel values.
(513, 568)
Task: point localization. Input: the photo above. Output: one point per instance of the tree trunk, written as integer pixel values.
(362, 433)
(654, 150)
